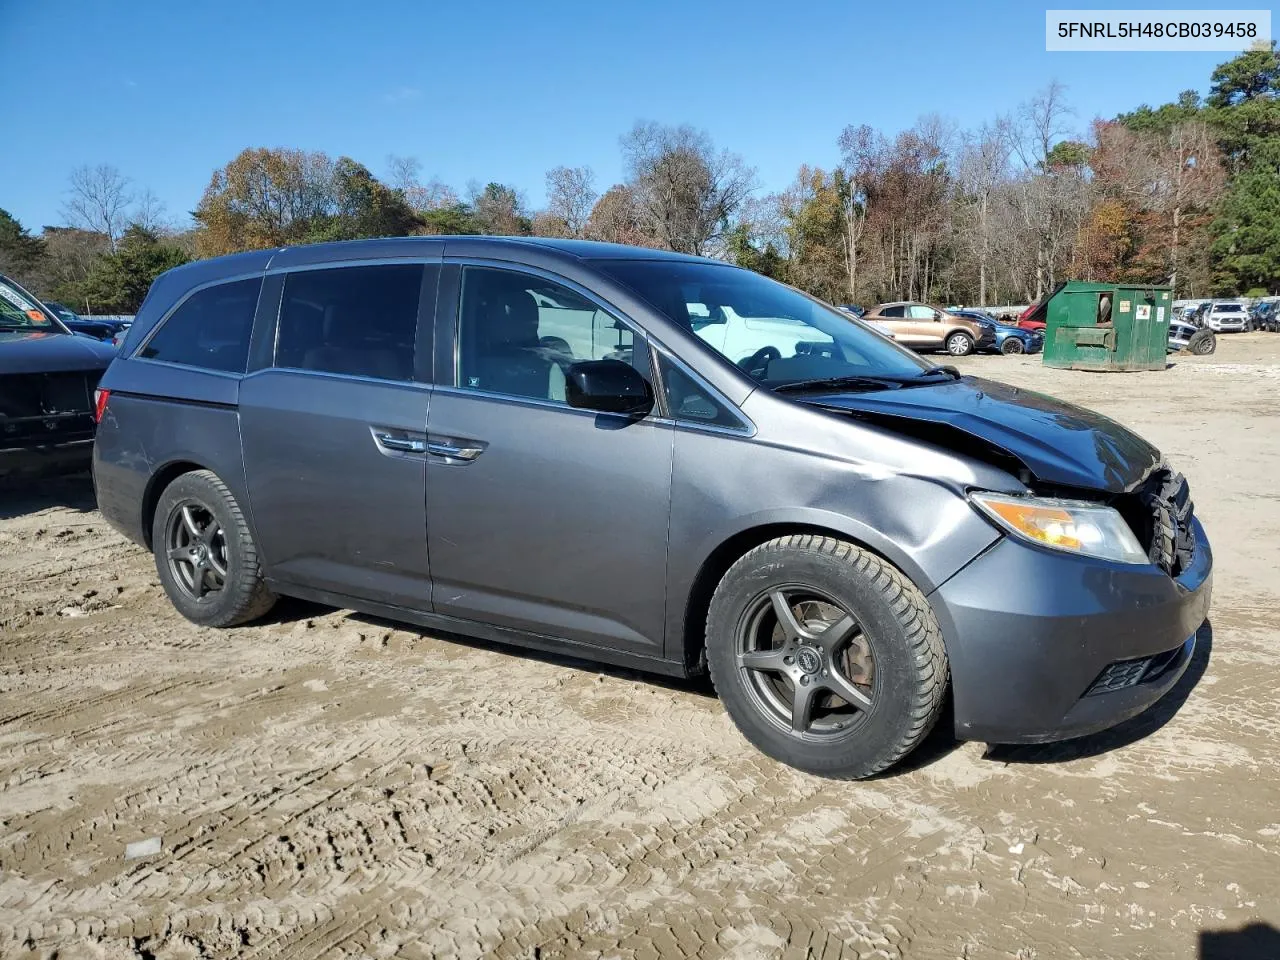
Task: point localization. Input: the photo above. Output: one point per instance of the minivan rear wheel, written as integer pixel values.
(205, 555)
(825, 656)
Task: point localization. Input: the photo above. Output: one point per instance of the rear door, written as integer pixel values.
(894, 319)
(333, 427)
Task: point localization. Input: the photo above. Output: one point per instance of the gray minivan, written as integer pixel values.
(653, 460)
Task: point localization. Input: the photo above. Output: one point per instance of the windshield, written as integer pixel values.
(775, 334)
(64, 313)
(18, 311)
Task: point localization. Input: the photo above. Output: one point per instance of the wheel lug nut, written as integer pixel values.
(788, 659)
(804, 681)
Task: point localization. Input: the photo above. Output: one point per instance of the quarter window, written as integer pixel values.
(210, 329)
(359, 321)
(518, 334)
(690, 402)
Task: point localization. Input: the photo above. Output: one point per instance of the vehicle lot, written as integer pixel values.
(326, 784)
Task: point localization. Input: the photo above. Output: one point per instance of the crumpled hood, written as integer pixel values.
(39, 351)
(1058, 442)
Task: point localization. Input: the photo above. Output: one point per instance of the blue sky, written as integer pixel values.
(487, 90)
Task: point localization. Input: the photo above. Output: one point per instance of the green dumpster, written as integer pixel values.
(1105, 326)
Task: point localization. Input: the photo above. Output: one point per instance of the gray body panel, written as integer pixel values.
(594, 534)
(558, 528)
(332, 509)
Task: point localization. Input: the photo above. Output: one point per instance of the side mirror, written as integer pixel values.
(936, 316)
(608, 386)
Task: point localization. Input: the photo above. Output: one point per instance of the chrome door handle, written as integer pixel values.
(400, 444)
(439, 448)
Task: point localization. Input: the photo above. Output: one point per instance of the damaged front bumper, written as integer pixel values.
(1046, 646)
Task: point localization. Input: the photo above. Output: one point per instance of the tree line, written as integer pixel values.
(1186, 193)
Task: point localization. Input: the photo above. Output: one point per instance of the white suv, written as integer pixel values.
(1227, 318)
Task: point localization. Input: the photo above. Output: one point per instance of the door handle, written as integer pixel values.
(441, 448)
(400, 444)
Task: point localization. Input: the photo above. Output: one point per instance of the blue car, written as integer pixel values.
(1009, 339)
(100, 328)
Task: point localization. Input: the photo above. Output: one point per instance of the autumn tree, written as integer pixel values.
(71, 255)
(264, 198)
(615, 218)
(499, 210)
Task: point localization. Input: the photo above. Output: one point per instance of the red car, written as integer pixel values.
(1032, 318)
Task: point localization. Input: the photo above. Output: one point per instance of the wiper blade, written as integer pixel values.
(822, 383)
(949, 370)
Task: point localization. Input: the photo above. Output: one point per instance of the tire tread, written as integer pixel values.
(922, 635)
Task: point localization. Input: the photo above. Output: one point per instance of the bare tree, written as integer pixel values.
(405, 174)
(862, 153)
(570, 196)
(99, 201)
(1050, 196)
(982, 168)
(686, 192)
(150, 213)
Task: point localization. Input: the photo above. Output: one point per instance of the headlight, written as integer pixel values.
(1073, 526)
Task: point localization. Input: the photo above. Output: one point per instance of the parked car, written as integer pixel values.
(921, 326)
(853, 308)
(1189, 337)
(100, 328)
(1225, 316)
(536, 442)
(47, 379)
(1008, 338)
(1033, 318)
(1264, 316)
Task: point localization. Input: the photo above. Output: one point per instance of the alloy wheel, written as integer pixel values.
(958, 345)
(196, 547)
(807, 662)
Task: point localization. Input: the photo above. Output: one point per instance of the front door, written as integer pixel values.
(543, 518)
(926, 328)
(334, 434)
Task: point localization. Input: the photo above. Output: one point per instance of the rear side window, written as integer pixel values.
(358, 321)
(210, 329)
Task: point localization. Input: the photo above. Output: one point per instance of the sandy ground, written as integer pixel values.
(327, 785)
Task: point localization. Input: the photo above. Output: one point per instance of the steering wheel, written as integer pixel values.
(758, 362)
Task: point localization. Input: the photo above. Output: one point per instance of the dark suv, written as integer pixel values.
(653, 460)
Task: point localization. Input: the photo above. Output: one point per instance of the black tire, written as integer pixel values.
(1012, 346)
(205, 555)
(1202, 343)
(959, 344)
(900, 664)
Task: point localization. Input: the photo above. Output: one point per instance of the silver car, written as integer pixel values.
(652, 460)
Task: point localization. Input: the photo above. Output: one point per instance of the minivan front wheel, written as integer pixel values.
(825, 656)
(205, 555)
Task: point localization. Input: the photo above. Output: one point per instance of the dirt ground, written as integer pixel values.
(327, 785)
